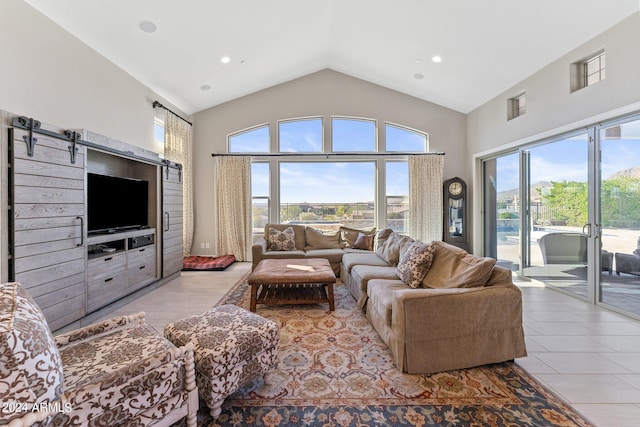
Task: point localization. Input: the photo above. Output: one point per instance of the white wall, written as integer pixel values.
(324, 93)
(550, 104)
(50, 75)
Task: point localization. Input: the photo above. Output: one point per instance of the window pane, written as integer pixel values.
(301, 136)
(254, 140)
(397, 195)
(353, 135)
(403, 139)
(158, 131)
(260, 196)
(313, 193)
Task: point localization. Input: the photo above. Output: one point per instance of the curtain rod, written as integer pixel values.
(158, 104)
(323, 154)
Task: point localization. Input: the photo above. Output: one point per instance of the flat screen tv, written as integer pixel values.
(116, 204)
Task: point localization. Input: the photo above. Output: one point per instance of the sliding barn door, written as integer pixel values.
(47, 217)
(172, 244)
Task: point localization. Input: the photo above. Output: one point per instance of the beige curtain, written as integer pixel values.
(425, 197)
(177, 148)
(233, 206)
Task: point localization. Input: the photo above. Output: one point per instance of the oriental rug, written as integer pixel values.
(334, 370)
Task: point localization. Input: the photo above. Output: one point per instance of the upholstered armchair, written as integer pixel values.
(117, 372)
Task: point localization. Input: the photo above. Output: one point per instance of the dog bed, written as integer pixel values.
(207, 263)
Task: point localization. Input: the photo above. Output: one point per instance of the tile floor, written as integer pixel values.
(587, 355)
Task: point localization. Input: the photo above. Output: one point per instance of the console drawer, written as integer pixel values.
(141, 255)
(140, 274)
(106, 266)
(103, 291)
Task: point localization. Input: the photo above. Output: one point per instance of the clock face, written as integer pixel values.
(455, 188)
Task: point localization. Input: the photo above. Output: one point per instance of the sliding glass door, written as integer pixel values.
(578, 213)
(502, 210)
(619, 285)
(556, 218)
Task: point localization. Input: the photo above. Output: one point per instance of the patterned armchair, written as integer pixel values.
(118, 372)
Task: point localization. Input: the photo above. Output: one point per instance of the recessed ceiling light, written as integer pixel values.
(418, 61)
(244, 61)
(418, 76)
(148, 26)
(225, 59)
(436, 59)
(205, 87)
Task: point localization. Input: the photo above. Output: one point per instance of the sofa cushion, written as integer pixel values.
(380, 237)
(348, 236)
(350, 259)
(500, 276)
(281, 240)
(31, 367)
(415, 262)
(334, 256)
(391, 248)
(297, 229)
(381, 294)
(453, 267)
(316, 239)
(361, 274)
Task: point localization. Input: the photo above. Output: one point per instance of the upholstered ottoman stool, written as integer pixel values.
(232, 347)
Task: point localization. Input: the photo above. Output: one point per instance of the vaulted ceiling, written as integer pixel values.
(486, 46)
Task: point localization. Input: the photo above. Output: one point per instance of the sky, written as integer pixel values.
(568, 159)
(335, 181)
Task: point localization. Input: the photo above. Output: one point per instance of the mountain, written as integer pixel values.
(633, 172)
(509, 195)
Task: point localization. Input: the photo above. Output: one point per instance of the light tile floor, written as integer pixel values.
(587, 355)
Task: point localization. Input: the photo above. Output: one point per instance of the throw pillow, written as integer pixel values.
(316, 239)
(298, 230)
(453, 267)
(415, 262)
(284, 240)
(364, 241)
(348, 236)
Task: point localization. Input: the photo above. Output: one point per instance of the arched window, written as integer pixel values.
(252, 140)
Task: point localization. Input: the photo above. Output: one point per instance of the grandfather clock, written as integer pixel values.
(455, 213)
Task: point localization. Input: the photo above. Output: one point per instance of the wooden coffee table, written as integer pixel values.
(292, 281)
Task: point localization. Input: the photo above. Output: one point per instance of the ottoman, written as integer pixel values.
(232, 347)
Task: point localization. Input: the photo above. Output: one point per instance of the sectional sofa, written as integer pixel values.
(434, 305)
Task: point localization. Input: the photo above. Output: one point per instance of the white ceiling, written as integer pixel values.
(486, 46)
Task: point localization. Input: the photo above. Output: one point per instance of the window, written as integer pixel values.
(259, 195)
(253, 140)
(306, 183)
(301, 135)
(158, 134)
(397, 198)
(404, 139)
(594, 69)
(517, 106)
(314, 193)
(588, 72)
(353, 135)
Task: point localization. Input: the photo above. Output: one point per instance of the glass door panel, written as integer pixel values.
(620, 216)
(556, 249)
(502, 210)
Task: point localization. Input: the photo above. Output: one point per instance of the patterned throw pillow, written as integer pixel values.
(415, 262)
(284, 240)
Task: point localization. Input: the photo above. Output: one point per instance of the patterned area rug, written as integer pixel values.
(335, 371)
